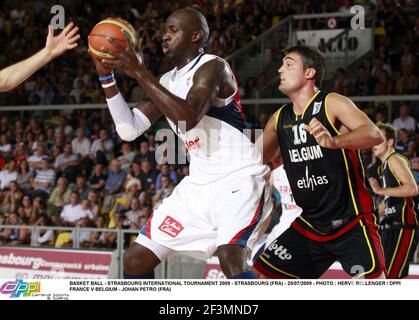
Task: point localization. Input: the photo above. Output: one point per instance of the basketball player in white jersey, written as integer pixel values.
(220, 207)
(290, 210)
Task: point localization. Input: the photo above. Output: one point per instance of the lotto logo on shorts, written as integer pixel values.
(280, 251)
(171, 227)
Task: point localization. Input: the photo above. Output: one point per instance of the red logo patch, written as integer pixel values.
(171, 227)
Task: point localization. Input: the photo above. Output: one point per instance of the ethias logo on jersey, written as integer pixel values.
(311, 181)
(20, 287)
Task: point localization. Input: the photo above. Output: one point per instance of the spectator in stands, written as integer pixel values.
(405, 120)
(72, 212)
(59, 197)
(98, 179)
(44, 180)
(8, 174)
(15, 236)
(81, 187)
(26, 210)
(135, 170)
(113, 185)
(166, 171)
(81, 145)
(133, 214)
(11, 199)
(363, 83)
(408, 59)
(35, 160)
(377, 66)
(95, 205)
(127, 156)
(165, 190)
(64, 127)
(102, 148)
(3, 234)
(408, 82)
(45, 237)
(67, 163)
(20, 152)
(145, 153)
(5, 145)
(148, 175)
(405, 145)
(384, 85)
(97, 237)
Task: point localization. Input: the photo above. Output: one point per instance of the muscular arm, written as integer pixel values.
(207, 85)
(400, 168)
(344, 114)
(268, 142)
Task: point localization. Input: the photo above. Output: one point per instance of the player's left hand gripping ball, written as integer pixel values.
(128, 58)
(321, 134)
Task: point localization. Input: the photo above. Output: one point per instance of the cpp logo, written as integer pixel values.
(279, 251)
(18, 287)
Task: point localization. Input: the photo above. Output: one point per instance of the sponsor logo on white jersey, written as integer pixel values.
(171, 227)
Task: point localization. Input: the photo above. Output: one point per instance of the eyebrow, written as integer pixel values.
(288, 58)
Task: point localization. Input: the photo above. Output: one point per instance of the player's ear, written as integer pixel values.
(197, 36)
(310, 73)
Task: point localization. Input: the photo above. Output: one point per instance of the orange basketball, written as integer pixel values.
(111, 27)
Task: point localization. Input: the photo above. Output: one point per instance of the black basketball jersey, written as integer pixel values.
(399, 210)
(328, 184)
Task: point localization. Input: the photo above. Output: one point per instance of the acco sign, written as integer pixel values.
(358, 42)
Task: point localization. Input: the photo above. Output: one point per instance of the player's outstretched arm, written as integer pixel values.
(268, 141)
(129, 124)
(401, 169)
(14, 75)
(206, 85)
(357, 131)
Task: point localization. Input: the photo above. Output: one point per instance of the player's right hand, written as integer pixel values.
(100, 68)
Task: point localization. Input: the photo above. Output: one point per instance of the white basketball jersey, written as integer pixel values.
(219, 144)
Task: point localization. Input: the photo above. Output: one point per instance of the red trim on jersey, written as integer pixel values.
(306, 233)
(255, 217)
(148, 230)
(237, 98)
(372, 228)
(410, 214)
(401, 254)
(364, 197)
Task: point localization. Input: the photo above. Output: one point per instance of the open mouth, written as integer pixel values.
(165, 47)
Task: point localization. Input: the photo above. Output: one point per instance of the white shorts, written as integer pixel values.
(196, 219)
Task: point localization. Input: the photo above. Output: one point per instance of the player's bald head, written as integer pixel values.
(193, 20)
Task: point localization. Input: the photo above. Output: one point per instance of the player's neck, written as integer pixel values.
(187, 59)
(302, 97)
(387, 154)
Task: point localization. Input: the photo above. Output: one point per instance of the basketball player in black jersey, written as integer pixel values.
(399, 227)
(318, 136)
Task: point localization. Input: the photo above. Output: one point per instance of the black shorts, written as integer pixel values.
(293, 255)
(399, 246)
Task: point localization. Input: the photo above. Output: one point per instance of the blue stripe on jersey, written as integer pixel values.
(229, 114)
